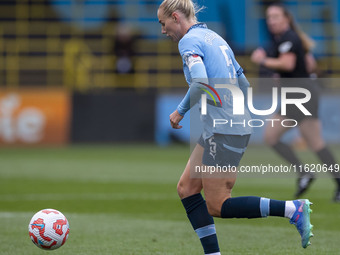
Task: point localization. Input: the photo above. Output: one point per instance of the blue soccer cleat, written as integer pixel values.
(301, 220)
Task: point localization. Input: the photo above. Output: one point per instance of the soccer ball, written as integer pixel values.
(48, 229)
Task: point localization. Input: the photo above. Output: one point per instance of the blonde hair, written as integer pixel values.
(307, 42)
(187, 7)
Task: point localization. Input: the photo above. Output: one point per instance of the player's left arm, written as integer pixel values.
(243, 84)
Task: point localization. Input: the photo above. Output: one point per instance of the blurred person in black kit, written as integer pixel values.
(288, 57)
(124, 49)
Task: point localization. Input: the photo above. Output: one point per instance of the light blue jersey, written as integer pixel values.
(208, 60)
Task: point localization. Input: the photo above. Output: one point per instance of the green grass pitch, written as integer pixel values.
(122, 199)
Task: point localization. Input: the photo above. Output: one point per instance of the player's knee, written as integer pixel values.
(316, 145)
(214, 208)
(270, 139)
(180, 189)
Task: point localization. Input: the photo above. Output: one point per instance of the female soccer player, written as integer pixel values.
(206, 56)
(289, 57)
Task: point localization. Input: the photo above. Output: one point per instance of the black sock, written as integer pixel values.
(202, 222)
(285, 151)
(327, 158)
(252, 207)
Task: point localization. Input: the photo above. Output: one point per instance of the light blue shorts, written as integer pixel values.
(223, 150)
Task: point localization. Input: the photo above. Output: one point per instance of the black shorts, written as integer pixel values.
(223, 150)
(293, 112)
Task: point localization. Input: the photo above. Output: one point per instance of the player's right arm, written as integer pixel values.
(193, 95)
(197, 72)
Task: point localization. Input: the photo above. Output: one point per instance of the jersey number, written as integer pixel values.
(232, 75)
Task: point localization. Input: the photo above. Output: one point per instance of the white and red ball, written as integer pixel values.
(48, 229)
